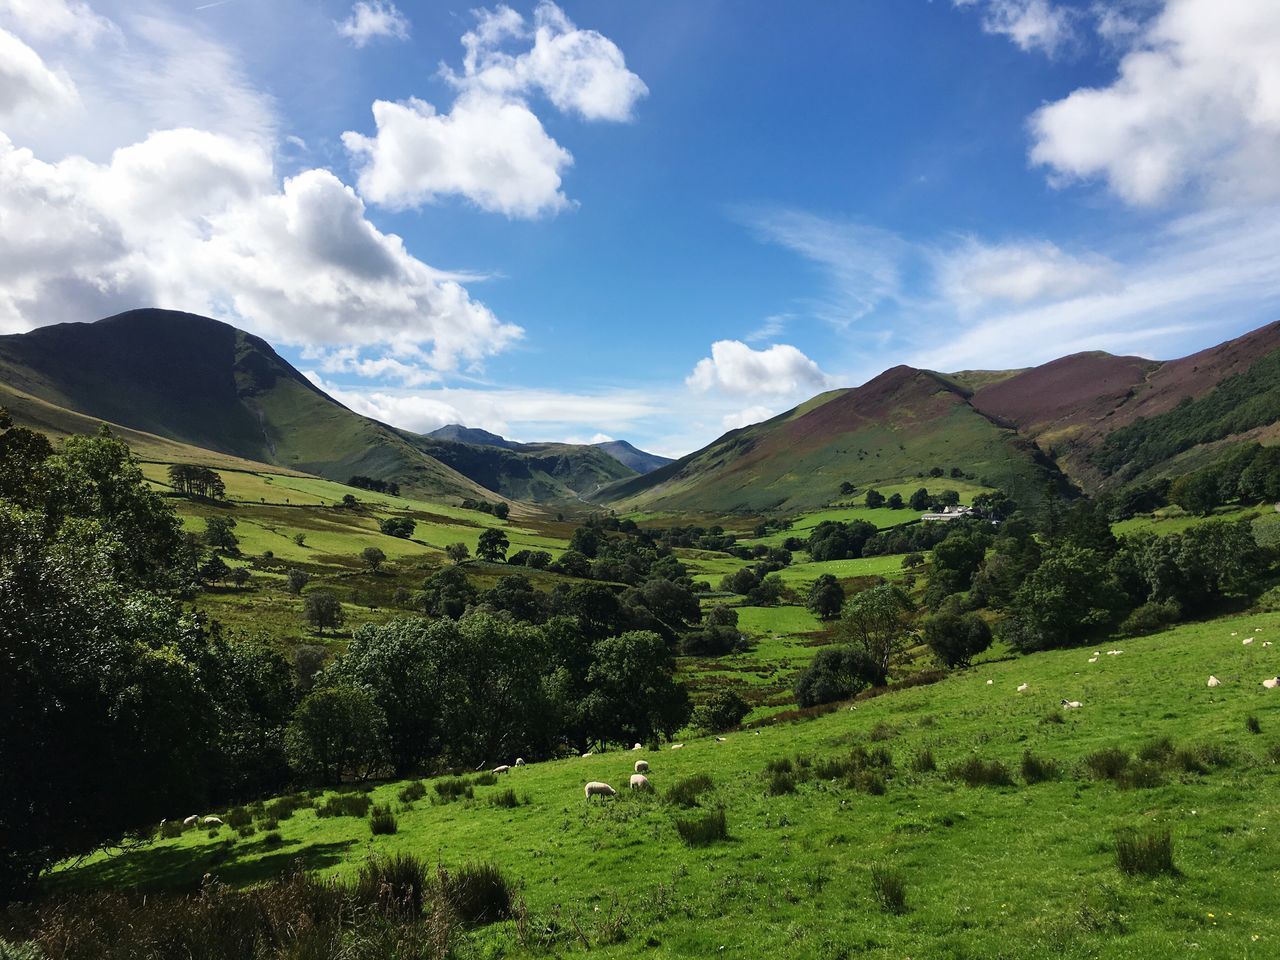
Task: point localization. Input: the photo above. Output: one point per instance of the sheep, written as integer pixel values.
(1246, 641)
(1114, 653)
(1093, 659)
(990, 682)
(637, 747)
(1023, 688)
(519, 761)
(642, 766)
(1266, 643)
(502, 768)
(191, 821)
(588, 754)
(640, 782)
(1071, 704)
(1271, 683)
(1214, 681)
(677, 746)
(722, 739)
(212, 822)
(597, 789)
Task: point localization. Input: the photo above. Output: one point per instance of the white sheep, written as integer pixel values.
(1071, 704)
(1246, 641)
(502, 768)
(637, 747)
(640, 782)
(1093, 659)
(642, 766)
(722, 739)
(990, 682)
(1214, 681)
(677, 746)
(588, 753)
(1114, 653)
(597, 789)
(191, 821)
(519, 761)
(1271, 683)
(212, 822)
(1023, 688)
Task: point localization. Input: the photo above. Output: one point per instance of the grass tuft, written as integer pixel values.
(686, 792)
(976, 772)
(704, 829)
(382, 821)
(889, 889)
(1038, 769)
(345, 805)
(1145, 854)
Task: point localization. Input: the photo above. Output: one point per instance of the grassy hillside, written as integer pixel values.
(206, 384)
(1025, 870)
(881, 433)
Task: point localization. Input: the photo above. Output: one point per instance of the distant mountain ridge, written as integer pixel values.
(625, 453)
(628, 455)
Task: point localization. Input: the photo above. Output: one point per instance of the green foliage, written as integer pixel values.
(833, 540)
(634, 696)
(837, 673)
(703, 829)
(446, 593)
(956, 639)
(322, 610)
(724, 710)
(401, 527)
(493, 545)
(382, 822)
(1070, 597)
(457, 552)
(826, 597)
(337, 731)
(476, 893)
(976, 772)
(781, 782)
(20, 951)
(1151, 617)
(454, 788)
(687, 792)
(1038, 769)
(373, 558)
(1145, 853)
(295, 580)
(218, 533)
(877, 621)
(874, 499)
(889, 888)
(346, 804)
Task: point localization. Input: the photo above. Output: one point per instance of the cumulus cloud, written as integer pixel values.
(372, 20)
(1196, 102)
(1039, 25)
(27, 85)
(491, 147)
(195, 220)
(975, 273)
(735, 368)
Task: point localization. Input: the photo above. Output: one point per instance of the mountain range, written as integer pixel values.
(187, 387)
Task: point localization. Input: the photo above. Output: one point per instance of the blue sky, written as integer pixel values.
(645, 221)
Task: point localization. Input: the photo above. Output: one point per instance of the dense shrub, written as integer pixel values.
(1145, 854)
(1107, 764)
(238, 817)
(836, 673)
(780, 783)
(398, 883)
(698, 831)
(923, 762)
(723, 711)
(956, 639)
(1151, 617)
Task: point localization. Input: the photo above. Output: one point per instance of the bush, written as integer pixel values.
(685, 793)
(382, 821)
(269, 823)
(923, 762)
(702, 830)
(345, 805)
(477, 892)
(396, 884)
(889, 889)
(723, 711)
(486, 779)
(412, 791)
(1145, 854)
(1038, 770)
(239, 817)
(956, 639)
(451, 788)
(246, 831)
(837, 673)
(780, 783)
(272, 839)
(1107, 764)
(976, 772)
(505, 798)
(1151, 618)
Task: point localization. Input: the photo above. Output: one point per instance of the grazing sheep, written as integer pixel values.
(1246, 641)
(637, 747)
(642, 766)
(677, 746)
(990, 682)
(640, 782)
(722, 739)
(589, 753)
(1071, 704)
(1114, 653)
(1214, 681)
(191, 821)
(212, 822)
(1271, 683)
(597, 789)
(502, 768)
(1023, 688)
(1093, 659)
(519, 761)
(1266, 643)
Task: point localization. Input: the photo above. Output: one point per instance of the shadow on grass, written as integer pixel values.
(184, 868)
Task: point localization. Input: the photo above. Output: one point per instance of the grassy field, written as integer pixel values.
(1175, 520)
(1015, 871)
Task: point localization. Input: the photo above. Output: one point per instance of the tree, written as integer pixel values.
(218, 533)
(719, 634)
(634, 696)
(877, 621)
(895, 502)
(322, 610)
(457, 552)
(493, 545)
(446, 593)
(956, 639)
(724, 710)
(240, 576)
(837, 673)
(401, 527)
(501, 510)
(515, 595)
(337, 731)
(920, 500)
(947, 498)
(300, 539)
(295, 580)
(1196, 493)
(214, 570)
(875, 499)
(1070, 597)
(349, 502)
(586, 541)
(847, 489)
(373, 558)
(826, 597)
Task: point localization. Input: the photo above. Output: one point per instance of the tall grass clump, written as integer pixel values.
(20, 951)
(1038, 769)
(476, 892)
(412, 791)
(505, 798)
(398, 883)
(686, 792)
(889, 889)
(703, 829)
(238, 817)
(1107, 764)
(976, 772)
(452, 788)
(923, 762)
(1145, 854)
(382, 821)
(780, 783)
(1251, 724)
(486, 779)
(345, 805)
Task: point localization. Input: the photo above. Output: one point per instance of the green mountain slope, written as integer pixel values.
(204, 383)
(901, 423)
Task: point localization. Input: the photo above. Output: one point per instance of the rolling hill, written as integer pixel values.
(630, 456)
(203, 383)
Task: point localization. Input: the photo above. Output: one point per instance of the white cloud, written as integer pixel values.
(735, 368)
(1196, 102)
(494, 152)
(491, 147)
(56, 19)
(1031, 24)
(193, 220)
(770, 328)
(744, 418)
(975, 274)
(372, 20)
(27, 85)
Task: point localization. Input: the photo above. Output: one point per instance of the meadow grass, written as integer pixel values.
(1006, 871)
